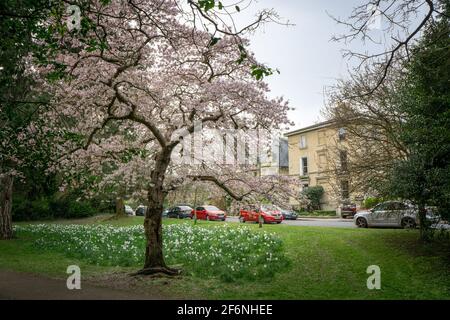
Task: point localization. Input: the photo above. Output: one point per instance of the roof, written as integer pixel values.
(316, 126)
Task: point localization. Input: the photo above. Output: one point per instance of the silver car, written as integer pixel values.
(129, 211)
(389, 214)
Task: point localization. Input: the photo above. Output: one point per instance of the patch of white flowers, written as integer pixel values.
(222, 251)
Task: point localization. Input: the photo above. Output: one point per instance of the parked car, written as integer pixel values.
(209, 213)
(288, 214)
(269, 214)
(391, 214)
(140, 210)
(184, 205)
(348, 210)
(129, 211)
(180, 212)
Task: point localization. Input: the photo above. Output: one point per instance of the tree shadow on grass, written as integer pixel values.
(437, 247)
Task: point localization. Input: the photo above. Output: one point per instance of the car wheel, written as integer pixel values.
(241, 220)
(278, 222)
(408, 223)
(361, 223)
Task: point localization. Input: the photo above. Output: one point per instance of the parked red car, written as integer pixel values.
(209, 213)
(268, 214)
(348, 210)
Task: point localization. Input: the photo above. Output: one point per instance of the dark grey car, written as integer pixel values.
(289, 214)
(180, 212)
(140, 211)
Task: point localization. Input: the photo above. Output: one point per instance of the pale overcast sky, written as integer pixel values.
(307, 59)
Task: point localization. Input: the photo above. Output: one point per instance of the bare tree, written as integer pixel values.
(401, 23)
(363, 105)
(367, 144)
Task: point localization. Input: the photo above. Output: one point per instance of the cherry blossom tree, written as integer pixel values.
(126, 109)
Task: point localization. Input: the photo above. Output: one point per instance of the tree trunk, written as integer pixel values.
(6, 184)
(120, 207)
(423, 223)
(195, 206)
(154, 257)
(260, 218)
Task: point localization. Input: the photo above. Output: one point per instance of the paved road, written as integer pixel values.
(15, 285)
(339, 223)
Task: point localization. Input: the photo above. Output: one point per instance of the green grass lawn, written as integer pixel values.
(326, 263)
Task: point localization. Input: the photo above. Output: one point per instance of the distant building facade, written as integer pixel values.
(313, 158)
(276, 160)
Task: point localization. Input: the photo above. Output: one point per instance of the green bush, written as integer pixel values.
(40, 209)
(372, 202)
(21, 208)
(325, 212)
(24, 209)
(314, 195)
(79, 210)
(318, 213)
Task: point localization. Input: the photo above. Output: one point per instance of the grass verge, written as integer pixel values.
(326, 263)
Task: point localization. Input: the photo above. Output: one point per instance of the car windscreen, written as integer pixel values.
(212, 208)
(185, 208)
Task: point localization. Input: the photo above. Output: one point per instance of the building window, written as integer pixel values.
(345, 193)
(343, 160)
(341, 134)
(304, 166)
(302, 142)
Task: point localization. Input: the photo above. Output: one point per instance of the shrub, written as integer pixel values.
(314, 195)
(319, 213)
(40, 209)
(371, 202)
(24, 209)
(325, 212)
(78, 209)
(21, 208)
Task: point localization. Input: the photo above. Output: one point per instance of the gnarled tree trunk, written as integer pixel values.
(154, 256)
(6, 184)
